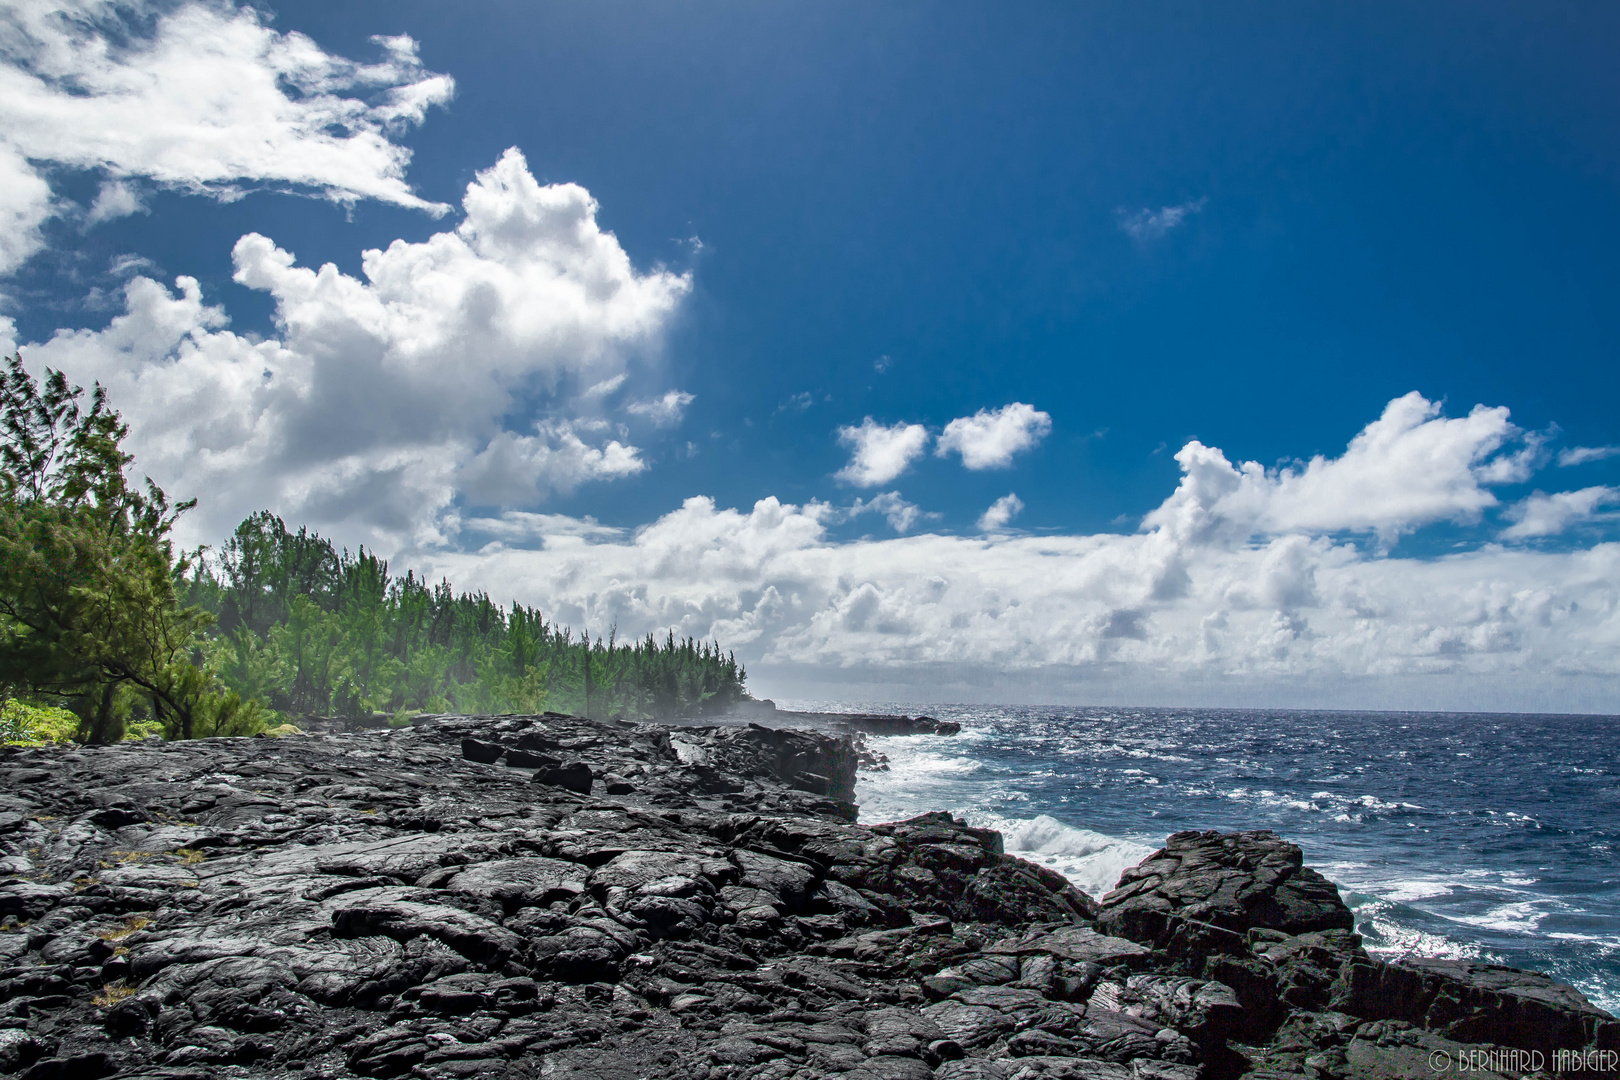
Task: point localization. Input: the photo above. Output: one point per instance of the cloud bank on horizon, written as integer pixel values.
(430, 407)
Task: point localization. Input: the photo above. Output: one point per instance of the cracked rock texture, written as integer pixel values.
(559, 898)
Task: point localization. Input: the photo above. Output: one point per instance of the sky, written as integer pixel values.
(1250, 354)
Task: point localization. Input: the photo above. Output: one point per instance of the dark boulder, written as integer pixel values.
(575, 776)
(486, 753)
(881, 724)
(1470, 1001)
(1235, 882)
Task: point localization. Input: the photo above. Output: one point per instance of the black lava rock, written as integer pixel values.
(388, 904)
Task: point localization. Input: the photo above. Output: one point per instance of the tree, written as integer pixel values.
(89, 609)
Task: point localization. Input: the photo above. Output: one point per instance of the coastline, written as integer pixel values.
(614, 900)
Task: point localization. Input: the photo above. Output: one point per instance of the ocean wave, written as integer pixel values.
(1092, 861)
(1508, 861)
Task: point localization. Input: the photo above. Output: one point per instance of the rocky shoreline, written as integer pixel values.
(557, 897)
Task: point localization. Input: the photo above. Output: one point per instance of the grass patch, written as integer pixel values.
(190, 856)
(112, 994)
(133, 856)
(132, 925)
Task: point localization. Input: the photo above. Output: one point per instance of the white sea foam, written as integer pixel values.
(1092, 861)
(936, 773)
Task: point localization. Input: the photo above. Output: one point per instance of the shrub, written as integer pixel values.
(22, 724)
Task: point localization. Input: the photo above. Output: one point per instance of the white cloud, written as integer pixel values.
(1148, 224)
(901, 515)
(881, 452)
(665, 410)
(196, 97)
(989, 438)
(116, 199)
(1409, 468)
(1548, 515)
(526, 527)
(1295, 613)
(607, 387)
(378, 407)
(937, 613)
(25, 204)
(522, 469)
(1001, 513)
(1580, 455)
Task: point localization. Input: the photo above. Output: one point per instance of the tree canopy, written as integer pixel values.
(101, 614)
(90, 610)
(313, 630)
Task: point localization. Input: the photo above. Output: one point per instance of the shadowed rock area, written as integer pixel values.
(554, 897)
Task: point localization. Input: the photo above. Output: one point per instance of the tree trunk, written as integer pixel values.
(106, 726)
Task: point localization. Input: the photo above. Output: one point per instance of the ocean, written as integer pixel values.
(1448, 834)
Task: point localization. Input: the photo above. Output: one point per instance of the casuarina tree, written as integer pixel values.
(90, 614)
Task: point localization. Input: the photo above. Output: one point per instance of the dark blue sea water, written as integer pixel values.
(1462, 835)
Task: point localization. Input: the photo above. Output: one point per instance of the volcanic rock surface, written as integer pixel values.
(560, 898)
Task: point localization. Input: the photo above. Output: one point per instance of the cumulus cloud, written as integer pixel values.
(1145, 224)
(665, 410)
(116, 199)
(928, 608)
(1409, 468)
(901, 515)
(378, 406)
(1001, 513)
(1548, 515)
(1580, 455)
(521, 469)
(990, 437)
(1168, 606)
(881, 452)
(199, 97)
(25, 204)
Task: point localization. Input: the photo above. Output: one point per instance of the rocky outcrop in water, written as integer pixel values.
(560, 898)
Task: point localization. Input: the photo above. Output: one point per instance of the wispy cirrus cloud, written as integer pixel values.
(1146, 224)
(1000, 513)
(197, 97)
(1580, 455)
(666, 410)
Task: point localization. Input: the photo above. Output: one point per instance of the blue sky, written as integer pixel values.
(1250, 226)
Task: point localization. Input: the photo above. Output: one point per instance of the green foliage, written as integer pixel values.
(90, 613)
(22, 724)
(314, 631)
